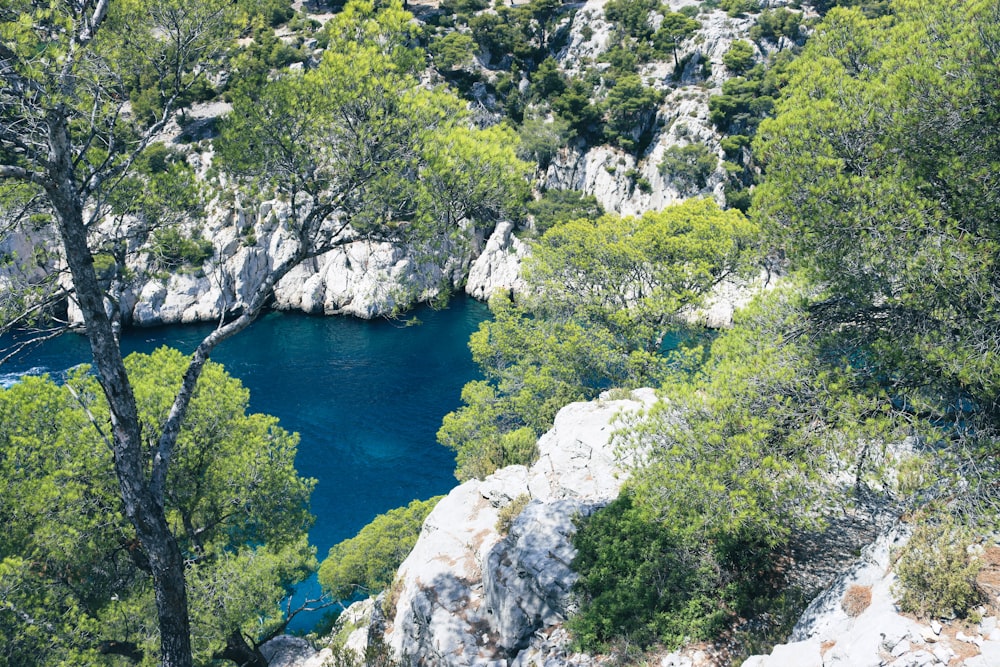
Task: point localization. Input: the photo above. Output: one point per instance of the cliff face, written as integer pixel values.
(366, 279)
(469, 595)
(362, 278)
(613, 175)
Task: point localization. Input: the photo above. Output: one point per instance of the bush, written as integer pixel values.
(737, 7)
(689, 166)
(641, 580)
(171, 249)
(369, 561)
(739, 57)
(632, 16)
(936, 575)
(558, 206)
(856, 600)
(510, 512)
(772, 24)
(631, 106)
(453, 50)
(541, 139)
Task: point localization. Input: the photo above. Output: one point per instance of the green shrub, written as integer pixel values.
(936, 574)
(772, 24)
(737, 7)
(558, 206)
(369, 561)
(105, 265)
(630, 107)
(541, 139)
(455, 49)
(739, 57)
(463, 6)
(689, 166)
(632, 16)
(510, 512)
(171, 249)
(640, 580)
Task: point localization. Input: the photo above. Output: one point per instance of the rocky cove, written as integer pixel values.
(490, 580)
(478, 592)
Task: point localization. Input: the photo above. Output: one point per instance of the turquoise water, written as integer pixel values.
(366, 397)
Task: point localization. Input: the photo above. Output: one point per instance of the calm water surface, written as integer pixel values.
(366, 397)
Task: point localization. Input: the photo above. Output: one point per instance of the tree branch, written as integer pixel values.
(22, 174)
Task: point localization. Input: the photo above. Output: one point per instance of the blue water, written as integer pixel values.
(366, 397)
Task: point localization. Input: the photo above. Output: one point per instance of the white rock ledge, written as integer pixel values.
(470, 596)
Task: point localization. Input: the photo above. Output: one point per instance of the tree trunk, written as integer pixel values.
(142, 508)
(240, 652)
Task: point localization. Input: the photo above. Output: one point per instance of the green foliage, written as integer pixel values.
(541, 139)
(272, 13)
(162, 191)
(726, 470)
(363, 141)
(463, 6)
(454, 50)
(639, 582)
(632, 16)
(604, 293)
(547, 81)
(689, 166)
(936, 574)
(739, 57)
(152, 47)
(881, 183)
(515, 36)
(172, 249)
(744, 101)
(576, 107)
(630, 108)
(71, 571)
(739, 7)
(368, 562)
(509, 513)
(673, 30)
(734, 144)
(773, 24)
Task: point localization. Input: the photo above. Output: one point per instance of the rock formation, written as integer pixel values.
(468, 595)
(836, 630)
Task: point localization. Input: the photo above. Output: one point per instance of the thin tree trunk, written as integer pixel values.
(141, 506)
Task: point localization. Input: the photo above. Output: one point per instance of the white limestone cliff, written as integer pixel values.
(468, 595)
(498, 268)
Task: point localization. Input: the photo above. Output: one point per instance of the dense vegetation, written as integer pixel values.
(87, 87)
(877, 187)
(73, 577)
(604, 294)
(864, 155)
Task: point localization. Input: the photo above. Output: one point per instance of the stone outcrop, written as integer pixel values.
(288, 651)
(498, 267)
(361, 278)
(827, 635)
(467, 595)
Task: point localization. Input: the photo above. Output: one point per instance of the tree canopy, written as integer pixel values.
(603, 295)
(367, 562)
(72, 572)
(881, 183)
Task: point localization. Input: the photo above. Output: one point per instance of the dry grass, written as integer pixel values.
(856, 600)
